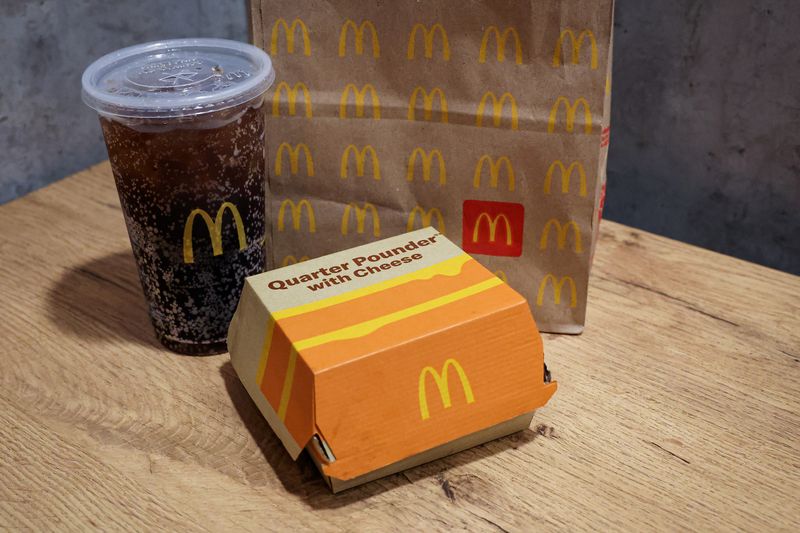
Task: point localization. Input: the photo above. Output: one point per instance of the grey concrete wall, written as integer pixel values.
(46, 132)
(705, 140)
(706, 121)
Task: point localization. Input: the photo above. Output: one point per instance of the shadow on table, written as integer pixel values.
(102, 299)
(304, 480)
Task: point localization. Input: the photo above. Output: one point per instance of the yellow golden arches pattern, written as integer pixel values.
(571, 109)
(558, 288)
(294, 156)
(296, 210)
(497, 109)
(577, 43)
(289, 31)
(427, 41)
(427, 103)
(360, 96)
(426, 218)
(358, 32)
(293, 260)
(361, 160)
(501, 40)
(440, 379)
(562, 232)
(214, 227)
(361, 215)
(566, 173)
(291, 96)
(427, 164)
(493, 223)
(495, 166)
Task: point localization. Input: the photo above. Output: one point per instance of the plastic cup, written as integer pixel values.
(184, 127)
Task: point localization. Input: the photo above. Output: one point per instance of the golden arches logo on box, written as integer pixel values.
(361, 215)
(297, 215)
(358, 32)
(291, 96)
(571, 112)
(501, 40)
(497, 109)
(290, 32)
(562, 232)
(427, 41)
(427, 103)
(558, 287)
(360, 96)
(441, 380)
(427, 164)
(566, 173)
(361, 161)
(577, 43)
(292, 260)
(214, 227)
(495, 166)
(294, 159)
(425, 219)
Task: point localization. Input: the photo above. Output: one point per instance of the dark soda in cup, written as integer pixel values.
(184, 127)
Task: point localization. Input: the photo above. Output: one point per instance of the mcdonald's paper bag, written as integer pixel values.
(488, 120)
(375, 358)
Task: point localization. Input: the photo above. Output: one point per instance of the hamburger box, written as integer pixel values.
(388, 355)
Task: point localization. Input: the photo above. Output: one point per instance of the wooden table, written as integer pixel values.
(679, 408)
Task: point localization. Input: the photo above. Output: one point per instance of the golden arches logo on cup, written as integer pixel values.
(427, 103)
(566, 173)
(501, 41)
(292, 260)
(426, 218)
(497, 109)
(294, 159)
(427, 41)
(214, 227)
(291, 97)
(495, 166)
(427, 165)
(361, 215)
(558, 287)
(571, 109)
(358, 32)
(290, 32)
(441, 380)
(562, 232)
(492, 228)
(576, 44)
(361, 161)
(360, 96)
(296, 211)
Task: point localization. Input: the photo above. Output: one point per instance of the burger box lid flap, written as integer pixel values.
(382, 352)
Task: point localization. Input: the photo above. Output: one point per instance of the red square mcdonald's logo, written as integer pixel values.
(492, 228)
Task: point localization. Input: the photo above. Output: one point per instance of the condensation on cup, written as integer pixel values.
(184, 127)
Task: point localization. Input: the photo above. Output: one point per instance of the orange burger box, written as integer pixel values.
(388, 355)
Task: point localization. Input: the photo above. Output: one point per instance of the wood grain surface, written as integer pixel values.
(678, 408)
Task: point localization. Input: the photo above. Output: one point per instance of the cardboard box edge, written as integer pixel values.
(503, 429)
(239, 350)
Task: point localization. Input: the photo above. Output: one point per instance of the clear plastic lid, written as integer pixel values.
(176, 78)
